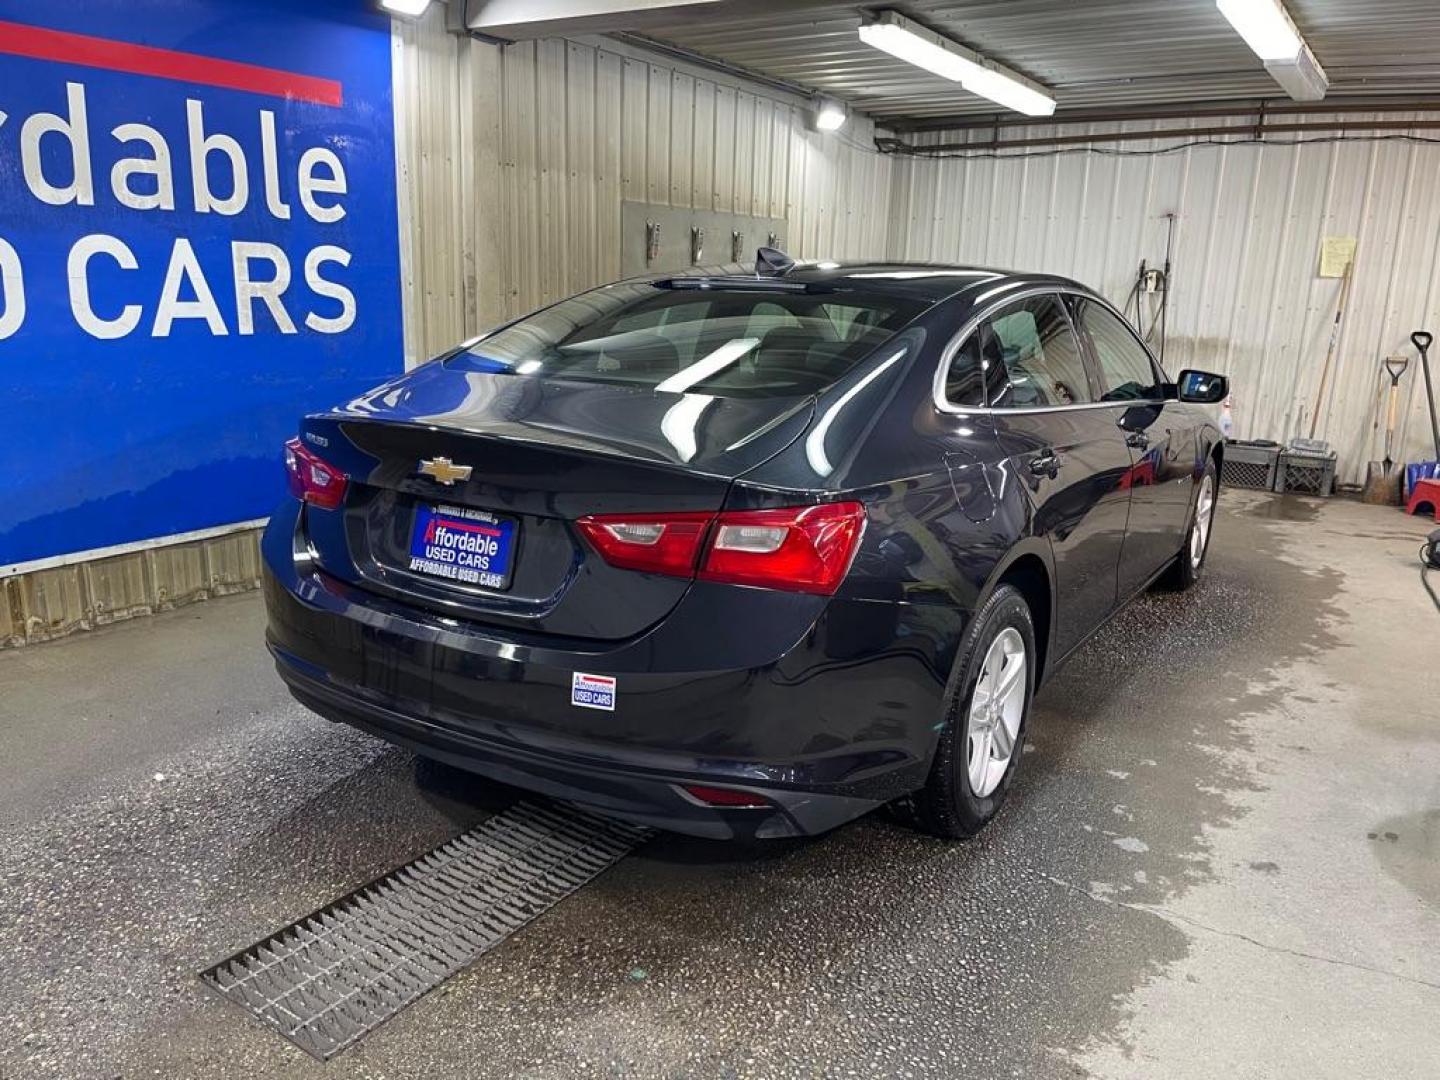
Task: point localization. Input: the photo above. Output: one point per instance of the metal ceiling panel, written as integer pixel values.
(1091, 53)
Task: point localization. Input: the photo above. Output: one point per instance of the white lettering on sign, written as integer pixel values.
(330, 289)
(184, 269)
(271, 168)
(76, 269)
(75, 131)
(56, 163)
(12, 286)
(332, 184)
(157, 165)
(201, 147)
(267, 291)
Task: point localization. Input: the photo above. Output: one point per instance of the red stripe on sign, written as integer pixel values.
(66, 48)
(465, 526)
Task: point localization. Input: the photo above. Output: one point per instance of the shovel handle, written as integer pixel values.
(1422, 339)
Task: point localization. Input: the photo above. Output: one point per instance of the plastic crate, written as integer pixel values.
(1301, 473)
(1250, 464)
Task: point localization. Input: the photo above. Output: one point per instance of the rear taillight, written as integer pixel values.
(799, 549)
(657, 543)
(312, 478)
(804, 549)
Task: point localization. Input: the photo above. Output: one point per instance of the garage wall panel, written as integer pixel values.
(1249, 220)
(516, 202)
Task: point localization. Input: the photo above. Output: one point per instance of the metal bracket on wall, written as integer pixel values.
(656, 238)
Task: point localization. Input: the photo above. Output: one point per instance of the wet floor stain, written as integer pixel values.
(1285, 508)
(1408, 849)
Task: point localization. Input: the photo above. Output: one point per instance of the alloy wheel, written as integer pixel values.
(996, 709)
(1204, 514)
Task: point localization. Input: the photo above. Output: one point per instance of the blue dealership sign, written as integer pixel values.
(198, 243)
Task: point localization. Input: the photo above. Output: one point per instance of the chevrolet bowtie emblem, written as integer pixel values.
(443, 470)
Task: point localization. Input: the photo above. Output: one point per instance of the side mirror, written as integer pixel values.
(1202, 387)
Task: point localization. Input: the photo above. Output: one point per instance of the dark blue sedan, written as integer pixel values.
(742, 553)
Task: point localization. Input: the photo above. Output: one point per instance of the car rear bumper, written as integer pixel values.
(827, 708)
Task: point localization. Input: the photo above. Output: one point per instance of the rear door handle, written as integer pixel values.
(1138, 439)
(1045, 463)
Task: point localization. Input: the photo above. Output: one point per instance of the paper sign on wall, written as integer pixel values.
(1336, 253)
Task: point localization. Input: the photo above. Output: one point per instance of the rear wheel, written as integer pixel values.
(1191, 561)
(984, 733)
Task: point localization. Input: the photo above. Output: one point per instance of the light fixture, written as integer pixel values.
(1264, 26)
(1013, 94)
(891, 32)
(1271, 35)
(1302, 78)
(830, 116)
(408, 8)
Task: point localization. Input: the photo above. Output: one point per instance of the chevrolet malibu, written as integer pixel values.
(742, 553)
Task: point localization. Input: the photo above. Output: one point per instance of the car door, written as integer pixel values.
(1063, 447)
(1162, 479)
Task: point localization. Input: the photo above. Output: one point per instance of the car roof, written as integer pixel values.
(927, 282)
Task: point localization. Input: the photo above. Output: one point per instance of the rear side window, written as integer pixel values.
(1126, 373)
(977, 370)
(730, 342)
(1042, 358)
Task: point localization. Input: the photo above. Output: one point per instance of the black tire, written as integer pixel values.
(947, 806)
(1186, 571)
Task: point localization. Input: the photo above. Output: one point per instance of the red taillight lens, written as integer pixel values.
(727, 797)
(803, 549)
(799, 549)
(657, 543)
(312, 478)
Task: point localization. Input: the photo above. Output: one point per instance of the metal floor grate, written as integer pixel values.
(336, 975)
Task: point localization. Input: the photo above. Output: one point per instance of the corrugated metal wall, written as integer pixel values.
(519, 158)
(1249, 221)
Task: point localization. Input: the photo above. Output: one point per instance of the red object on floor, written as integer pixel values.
(1425, 491)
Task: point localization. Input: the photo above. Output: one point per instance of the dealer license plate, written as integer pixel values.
(471, 547)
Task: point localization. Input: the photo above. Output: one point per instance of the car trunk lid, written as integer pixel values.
(513, 462)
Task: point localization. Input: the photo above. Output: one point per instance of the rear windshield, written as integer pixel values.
(726, 342)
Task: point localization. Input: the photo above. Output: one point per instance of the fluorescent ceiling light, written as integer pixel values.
(405, 7)
(829, 117)
(1011, 93)
(913, 43)
(1264, 26)
(1267, 29)
(1302, 78)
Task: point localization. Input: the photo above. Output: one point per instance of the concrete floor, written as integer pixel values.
(1222, 859)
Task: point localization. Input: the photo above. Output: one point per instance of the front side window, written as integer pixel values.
(730, 342)
(1126, 373)
(1043, 366)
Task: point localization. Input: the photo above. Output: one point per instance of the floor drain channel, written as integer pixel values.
(336, 975)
